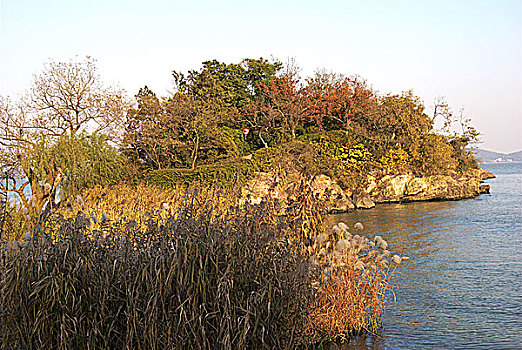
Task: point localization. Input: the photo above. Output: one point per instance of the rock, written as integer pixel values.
(390, 188)
(361, 199)
(341, 205)
(484, 189)
(327, 189)
(405, 188)
(415, 187)
(261, 186)
(485, 175)
(274, 186)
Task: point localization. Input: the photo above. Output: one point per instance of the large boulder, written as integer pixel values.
(441, 187)
(484, 174)
(326, 189)
(484, 189)
(389, 188)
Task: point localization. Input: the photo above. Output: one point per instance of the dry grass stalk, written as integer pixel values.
(187, 269)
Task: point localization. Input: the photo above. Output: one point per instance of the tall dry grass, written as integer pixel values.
(206, 276)
(351, 279)
(144, 268)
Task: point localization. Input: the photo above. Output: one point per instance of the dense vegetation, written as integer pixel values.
(95, 255)
(145, 268)
(222, 121)
(327, 123)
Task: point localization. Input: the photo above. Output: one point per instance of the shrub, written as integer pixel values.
(437, 156)
(395, 161)
(222, 174)
(351, 276)
(86, 161)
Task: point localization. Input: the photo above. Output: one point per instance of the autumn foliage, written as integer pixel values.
(225, 111)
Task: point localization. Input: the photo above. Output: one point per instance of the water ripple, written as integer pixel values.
(462, 288)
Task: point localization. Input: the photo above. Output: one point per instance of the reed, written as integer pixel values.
(351, 279)
(136, 267)
(207, 276)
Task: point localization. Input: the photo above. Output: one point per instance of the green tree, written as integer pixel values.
(402, 123)
(229, 86)
(67, 99)
(151, 137)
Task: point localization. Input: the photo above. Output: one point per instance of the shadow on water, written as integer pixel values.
(461, 289)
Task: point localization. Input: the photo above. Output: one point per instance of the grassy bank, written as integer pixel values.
(139, 267)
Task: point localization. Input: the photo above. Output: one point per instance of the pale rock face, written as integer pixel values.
(415, 186)
(402, 188)
(323, 187)
(389, 188)
(258, 187)
(482, 174)
(372, 183)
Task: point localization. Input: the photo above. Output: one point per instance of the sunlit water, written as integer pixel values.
(462, 287)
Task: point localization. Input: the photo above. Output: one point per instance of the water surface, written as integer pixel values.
(462, 287)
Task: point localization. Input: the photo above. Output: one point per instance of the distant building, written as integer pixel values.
(503, 160)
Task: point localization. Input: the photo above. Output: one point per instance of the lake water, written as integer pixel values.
(462, 287)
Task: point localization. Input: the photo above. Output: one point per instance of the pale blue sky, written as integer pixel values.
(466, 50)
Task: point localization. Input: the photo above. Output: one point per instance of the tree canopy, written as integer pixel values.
(70, 126)
(67, 106)
(227, 110)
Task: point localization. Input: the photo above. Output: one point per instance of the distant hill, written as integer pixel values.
(516, 156)
(486, 156)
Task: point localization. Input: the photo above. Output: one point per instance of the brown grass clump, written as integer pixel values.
(143, 268)
(351, 276)
(209, 275)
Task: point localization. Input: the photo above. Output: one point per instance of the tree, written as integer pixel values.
(338, 102)
(278, 105)
(403, 122)
(186, 129)
(68, 99)
(229, 86)
(458, 131)
(148, 133)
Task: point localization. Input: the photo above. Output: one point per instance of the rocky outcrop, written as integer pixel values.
(484, 189)
(407, 188)
(324, 188)
(286, 186)
(389, 188)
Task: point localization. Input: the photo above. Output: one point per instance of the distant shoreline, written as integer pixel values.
(493, 162)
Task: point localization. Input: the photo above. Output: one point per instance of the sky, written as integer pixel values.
(468, 51)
